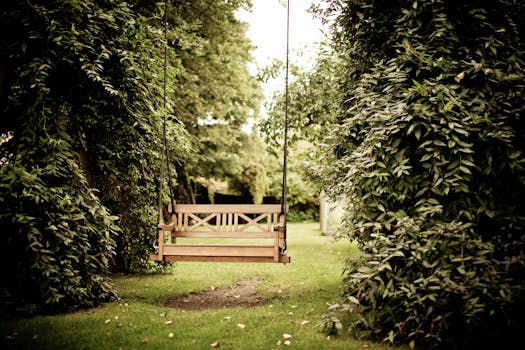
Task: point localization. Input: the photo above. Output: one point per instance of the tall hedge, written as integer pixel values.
(73, 101)
(428, 150)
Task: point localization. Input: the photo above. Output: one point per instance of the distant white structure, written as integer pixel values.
(330, 215)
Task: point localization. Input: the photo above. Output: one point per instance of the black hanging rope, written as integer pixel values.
(165, 154)
(284, 203)
(285, 141)
(165, 59)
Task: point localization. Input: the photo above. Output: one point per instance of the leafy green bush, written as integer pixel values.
(428, 152)
(301, 212)
(431, 287)
(73, 104)
(57, 239)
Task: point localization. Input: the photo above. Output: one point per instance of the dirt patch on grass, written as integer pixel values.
(242, 294)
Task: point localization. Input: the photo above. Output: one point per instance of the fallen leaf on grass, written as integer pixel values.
(168, 322)
(287, 342)
(287, 336)
(304, 322)
(215, 345)
(241, 326)
(145, 339)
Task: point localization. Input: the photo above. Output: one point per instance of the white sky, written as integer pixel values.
(267, 31)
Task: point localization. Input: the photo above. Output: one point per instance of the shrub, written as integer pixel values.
(57, 239)
(428, 152)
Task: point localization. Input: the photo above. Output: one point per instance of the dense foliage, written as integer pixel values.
(67, 86)
(81, 95)
(428, 151)
(312, 103)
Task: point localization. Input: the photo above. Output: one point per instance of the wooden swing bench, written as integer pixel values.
(257, 231)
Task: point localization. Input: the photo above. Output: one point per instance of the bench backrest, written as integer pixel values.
(241, 220)
(224, 223)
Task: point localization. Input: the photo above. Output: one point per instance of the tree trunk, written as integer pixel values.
(85, 165)
(3, 88)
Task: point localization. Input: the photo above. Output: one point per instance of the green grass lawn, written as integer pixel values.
(297, 295)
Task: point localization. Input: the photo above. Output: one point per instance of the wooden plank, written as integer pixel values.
(228, 208)
(179, 221)
(155, 257)
(161, 241)
(255, 259)
(276, 247)
(218, 250)
(227, 234)
(166, 227)
(185, 226)
(230, 222)
(238, 234)
(218, 221)
(284, 259)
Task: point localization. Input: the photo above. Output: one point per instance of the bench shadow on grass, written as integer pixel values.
(243, 293)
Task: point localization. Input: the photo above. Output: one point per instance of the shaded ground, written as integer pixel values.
(243, 293)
